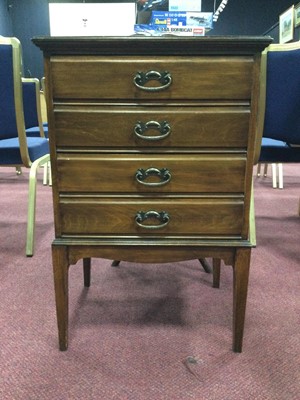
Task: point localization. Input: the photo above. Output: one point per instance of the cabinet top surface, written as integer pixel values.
(164, 45)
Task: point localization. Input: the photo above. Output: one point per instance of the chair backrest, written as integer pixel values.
(8, 122)
(43, 84)
(12, 123)
(281, 88)
(32, 104)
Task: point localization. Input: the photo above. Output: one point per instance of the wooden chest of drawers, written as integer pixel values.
(152, 148)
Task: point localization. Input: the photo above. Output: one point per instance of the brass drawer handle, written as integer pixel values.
(163, 174)
(163, 217)
(141, 78)
(163, 128)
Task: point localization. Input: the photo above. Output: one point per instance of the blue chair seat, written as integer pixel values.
(35, 131)
(277, 151)
(10, 150)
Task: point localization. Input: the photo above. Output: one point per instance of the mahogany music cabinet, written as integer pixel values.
(152, 143)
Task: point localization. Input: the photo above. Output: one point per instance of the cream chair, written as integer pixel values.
(16, 149)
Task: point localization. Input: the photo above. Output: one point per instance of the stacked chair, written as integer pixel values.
(34, 125)
(279, 124)
(16, 148)
(32, 108)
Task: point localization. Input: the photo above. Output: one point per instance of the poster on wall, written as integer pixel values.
(286, 26)
(92, 19)
(297, 14)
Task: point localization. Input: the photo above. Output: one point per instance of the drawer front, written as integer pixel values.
(150, 173)
(151, 126)
(96, 77)
(117, 216)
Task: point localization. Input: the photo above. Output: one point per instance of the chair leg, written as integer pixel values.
(258, 169)
(49, 173)
(18, 170)
(46, 174)
(275, 168)
(258, 172)
(265, 169)
(32, 203)
(274, 176)
(280, 176)
(47, 178)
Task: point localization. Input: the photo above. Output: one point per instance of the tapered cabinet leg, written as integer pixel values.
(87, 272)
(216, 272)
(205, 265)
(240, 288)
(60, 270)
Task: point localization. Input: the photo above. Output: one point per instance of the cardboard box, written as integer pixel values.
(159, 30)
(182, 19)
(185, 5)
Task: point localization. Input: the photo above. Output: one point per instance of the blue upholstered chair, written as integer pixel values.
(279, 123)
(34, 125)
(32, 108)
(16, 149)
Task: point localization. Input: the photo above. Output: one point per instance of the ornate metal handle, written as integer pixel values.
(162, 217)
(142, 78)
(163, 128)
(163, 174)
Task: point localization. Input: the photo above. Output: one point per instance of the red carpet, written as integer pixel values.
(134, 331)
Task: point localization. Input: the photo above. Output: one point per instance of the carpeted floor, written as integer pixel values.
(158, 332)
